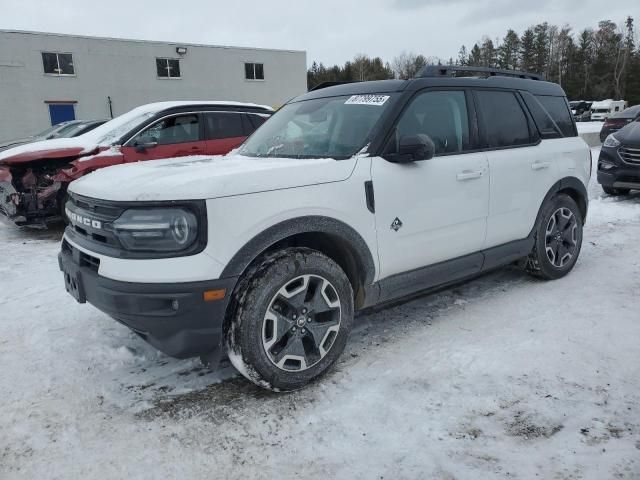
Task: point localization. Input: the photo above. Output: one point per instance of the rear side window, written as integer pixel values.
(503, 120)
(559, 111)
(224, 125)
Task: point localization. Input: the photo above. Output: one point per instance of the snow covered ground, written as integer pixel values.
(589, 127)
(502, 377)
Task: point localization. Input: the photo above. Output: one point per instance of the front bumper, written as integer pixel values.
(173, 317)
(620, 174)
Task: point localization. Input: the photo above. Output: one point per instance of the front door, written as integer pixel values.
(177, 135)
(432, 210)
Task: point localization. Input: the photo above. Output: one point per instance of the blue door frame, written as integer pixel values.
(61, 112)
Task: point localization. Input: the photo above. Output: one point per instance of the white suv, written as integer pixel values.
(349, 196)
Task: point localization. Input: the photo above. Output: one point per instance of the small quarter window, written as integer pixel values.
(254, 71)
(559, 111)
(168, 67)
(58, 63)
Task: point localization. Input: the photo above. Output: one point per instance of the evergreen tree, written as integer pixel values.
(488, 53)
(527, 50)
(475, 57)
(508, 51)
(463, 56)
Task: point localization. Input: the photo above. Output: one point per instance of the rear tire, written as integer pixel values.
(558, 238)
(293, 316)
(615, 191)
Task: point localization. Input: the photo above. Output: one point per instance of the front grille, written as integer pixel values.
(91, 220)
(630, 154)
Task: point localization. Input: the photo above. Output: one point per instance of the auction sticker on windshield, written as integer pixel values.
(367, 100)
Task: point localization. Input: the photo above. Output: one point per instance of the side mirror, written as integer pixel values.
(413, 148)
(145, 143)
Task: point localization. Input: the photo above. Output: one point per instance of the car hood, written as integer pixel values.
(203, 177)
(630, 134)
(47, 149)
(16, 141)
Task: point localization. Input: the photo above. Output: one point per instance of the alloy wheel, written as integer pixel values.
(301, 323)
(561, 237)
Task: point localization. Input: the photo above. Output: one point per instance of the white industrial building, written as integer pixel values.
(46, 78)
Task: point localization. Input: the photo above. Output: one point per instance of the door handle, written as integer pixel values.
(540, 165)
(468, 175)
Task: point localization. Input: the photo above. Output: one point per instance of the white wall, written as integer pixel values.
(125, 70)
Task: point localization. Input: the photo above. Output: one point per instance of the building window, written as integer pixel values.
(254, 71)
(168, 67)
(58, 63)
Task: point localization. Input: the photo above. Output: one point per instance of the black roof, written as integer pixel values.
(231, 107)
(535, 87)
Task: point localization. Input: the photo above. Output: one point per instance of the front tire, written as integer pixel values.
(616, 192)
(293, 315)
(558, 238)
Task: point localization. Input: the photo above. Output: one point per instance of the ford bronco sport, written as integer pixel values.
(349, 196)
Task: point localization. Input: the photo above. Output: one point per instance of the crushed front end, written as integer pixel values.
(30, 194)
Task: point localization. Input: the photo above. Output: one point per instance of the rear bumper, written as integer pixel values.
(173, 317)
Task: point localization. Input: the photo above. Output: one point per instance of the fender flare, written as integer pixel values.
(566, 183)
(304, 225)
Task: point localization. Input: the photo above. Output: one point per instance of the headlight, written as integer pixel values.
(156, 229)
(611, 141)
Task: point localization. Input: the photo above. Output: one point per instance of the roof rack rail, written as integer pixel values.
(329, 84)
(450, 70)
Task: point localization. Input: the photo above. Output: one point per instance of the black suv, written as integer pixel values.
(619, 161)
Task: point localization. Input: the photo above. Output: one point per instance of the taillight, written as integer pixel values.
(590, 162)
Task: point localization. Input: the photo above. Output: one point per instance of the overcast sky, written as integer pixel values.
(331, 31)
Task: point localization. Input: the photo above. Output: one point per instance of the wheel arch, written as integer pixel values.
(332, 237)
(573, 187)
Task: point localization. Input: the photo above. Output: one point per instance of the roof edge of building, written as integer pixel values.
(155, 42)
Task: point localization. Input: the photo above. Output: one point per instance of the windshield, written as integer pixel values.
(50, 130)
(66, 130)
(114, 129)
(335, 127)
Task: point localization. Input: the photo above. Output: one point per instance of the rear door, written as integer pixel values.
(522, 170)
(175, 135)
(224, 131)
(432, 210)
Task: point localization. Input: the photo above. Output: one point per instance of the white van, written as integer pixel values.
(600, 111)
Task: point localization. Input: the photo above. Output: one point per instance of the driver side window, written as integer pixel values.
(442, 115)
(178, 129)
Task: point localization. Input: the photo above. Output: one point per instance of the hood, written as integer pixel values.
(203, 177)
(47, 149)
(15, 142)
(629, 135)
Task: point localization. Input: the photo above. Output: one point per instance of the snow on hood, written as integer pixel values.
(204, 177)
(107, 133)
(79, 144)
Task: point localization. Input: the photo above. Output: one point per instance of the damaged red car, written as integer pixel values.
(34, 177)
